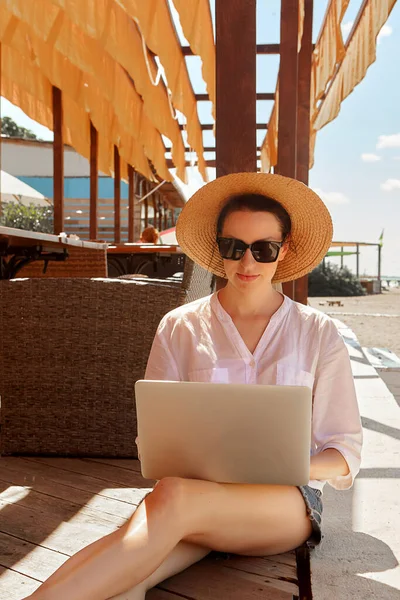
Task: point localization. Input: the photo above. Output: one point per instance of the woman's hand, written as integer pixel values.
(138, 447)
(328, 464)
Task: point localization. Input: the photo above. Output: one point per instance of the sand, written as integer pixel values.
(375, 319)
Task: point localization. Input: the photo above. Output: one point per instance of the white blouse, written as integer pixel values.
(300, 346)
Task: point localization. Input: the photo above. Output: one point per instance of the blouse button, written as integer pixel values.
(252, 363)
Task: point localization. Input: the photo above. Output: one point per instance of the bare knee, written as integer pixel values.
(167, 497)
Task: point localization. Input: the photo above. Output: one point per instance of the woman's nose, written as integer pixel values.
(247, 258)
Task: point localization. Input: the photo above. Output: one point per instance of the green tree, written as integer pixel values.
(30, 218)
(9, 128)
(331, 280)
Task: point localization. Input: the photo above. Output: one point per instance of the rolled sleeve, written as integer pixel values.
(336, 416)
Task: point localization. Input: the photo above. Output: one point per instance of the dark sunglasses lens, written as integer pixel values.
(265, 251)
(230, 249)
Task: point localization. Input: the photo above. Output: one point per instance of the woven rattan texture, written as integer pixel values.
(71, 351)
(81, 262)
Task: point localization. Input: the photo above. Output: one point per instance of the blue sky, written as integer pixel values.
(357, 157)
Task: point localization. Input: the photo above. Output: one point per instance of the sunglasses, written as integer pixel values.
(262, 251)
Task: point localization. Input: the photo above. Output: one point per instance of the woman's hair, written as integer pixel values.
(255, 203)
(150, 235)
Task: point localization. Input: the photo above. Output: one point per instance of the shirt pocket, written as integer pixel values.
(290, 375)
(215, 375)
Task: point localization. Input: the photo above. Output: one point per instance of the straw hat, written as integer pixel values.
(311, 234)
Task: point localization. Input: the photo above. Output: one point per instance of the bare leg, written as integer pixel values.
(244, 519)
(182, 556)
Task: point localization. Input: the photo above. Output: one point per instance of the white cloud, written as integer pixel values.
(395, 157)
(391, 184)
(389, 141)
(384, 32)
(332, 197)
(346, 28)
(370, 157)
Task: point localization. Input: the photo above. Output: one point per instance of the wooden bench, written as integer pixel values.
(50, 508)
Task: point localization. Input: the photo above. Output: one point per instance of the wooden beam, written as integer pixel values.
(58, 161)
(131, 204)
(117, 196)
(94, 183)
(260, 48)
(287, 121)
(259, 96)
(236, 146)
(210, 126)
(303, 122)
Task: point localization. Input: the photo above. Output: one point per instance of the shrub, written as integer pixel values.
(331, 280)
(30, 218)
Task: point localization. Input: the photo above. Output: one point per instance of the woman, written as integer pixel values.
(255, 230)
(150, 235)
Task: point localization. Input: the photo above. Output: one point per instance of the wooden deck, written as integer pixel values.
(52, 507)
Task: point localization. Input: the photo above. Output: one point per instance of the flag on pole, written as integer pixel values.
(381, 238)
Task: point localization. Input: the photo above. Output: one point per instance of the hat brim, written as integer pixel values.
(311, 233)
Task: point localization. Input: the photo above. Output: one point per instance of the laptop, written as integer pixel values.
(228, 433)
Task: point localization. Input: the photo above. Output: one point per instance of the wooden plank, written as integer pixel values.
(14, 586)
(94, 183)
(103, 472)
(117, 196)
(123, 463)
(41, 483)
(86, 483)
(33, 561)
(280, 576)
(48, 531)
(208, 580)
(64, 510)
(131, 204)
(236, 62)
(58, 161)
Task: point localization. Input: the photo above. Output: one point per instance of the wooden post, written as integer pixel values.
(303, 122)
(58, 161)
(160, 215)
(117, 196)
(94, 184)
(131, 204)
(165, 224)
(154, 202)
(287, 121)
(236, 146)
(146, 186)
(236, 86)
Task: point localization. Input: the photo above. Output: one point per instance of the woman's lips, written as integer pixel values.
(247, 278)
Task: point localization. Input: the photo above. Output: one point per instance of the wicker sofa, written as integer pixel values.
(71, 351)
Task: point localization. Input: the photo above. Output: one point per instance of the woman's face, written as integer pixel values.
(248, 226)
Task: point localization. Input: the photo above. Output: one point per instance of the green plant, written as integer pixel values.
(9, 128)
(330, 280)
(30, 218)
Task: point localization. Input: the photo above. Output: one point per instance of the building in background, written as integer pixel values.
(31, 161)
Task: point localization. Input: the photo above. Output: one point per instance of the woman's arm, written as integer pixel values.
(336, 424)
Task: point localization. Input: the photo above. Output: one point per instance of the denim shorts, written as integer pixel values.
(313, 501)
